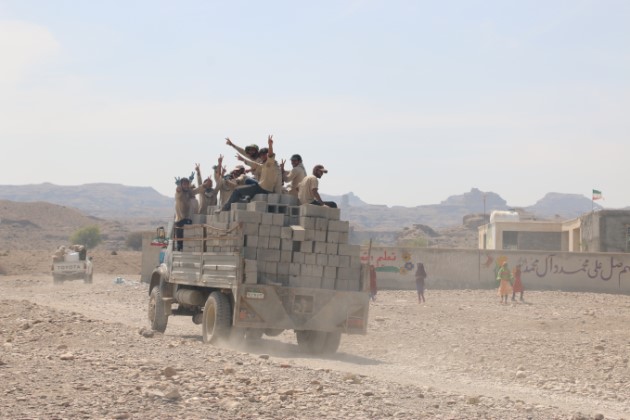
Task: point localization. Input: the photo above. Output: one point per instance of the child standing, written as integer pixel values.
(421, 275)
(518, 285)
(504, 277)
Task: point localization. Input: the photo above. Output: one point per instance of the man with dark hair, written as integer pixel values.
(269, 175)
(308, 190)
(295, 175)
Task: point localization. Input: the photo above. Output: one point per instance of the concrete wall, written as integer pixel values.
(475, 269)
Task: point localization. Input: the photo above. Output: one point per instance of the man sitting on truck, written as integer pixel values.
(269, 176)
(308, 190)
(184, 196)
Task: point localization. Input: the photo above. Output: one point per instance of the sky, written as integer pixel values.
(405, 102)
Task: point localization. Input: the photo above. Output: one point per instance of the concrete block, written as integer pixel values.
(320, 236)
(289, 200)
(273, 198)
(333, 213)
(270, 255)
(343, 237)
(338, 226)
(286, 245)
(350, 250)
(332, 237)
(251, 241)
(258, 206)
(264, 230)
(306, 246)
(307, 222)
(330, 273)
(278, 219)
(333, 260)
(348, 273)
(310, 258)
(299, 233)
(311, 210)
(274, 231)
(250, 228)
(274, 242)
(294, 269)
(283, 268)
(332, 248)
(292, 220)
(263, 242)
(286, 256)
(238, 206)
(271, 267)
(344, 261)
(251, 271)
(260, 197)
(319, 247)
(286, 233)
(322, 259)
(246, 216)
(321, 224)
(309, 234)
(298, 257)
(267, 218)
(355, 261)
(198, 219)
(328, 283)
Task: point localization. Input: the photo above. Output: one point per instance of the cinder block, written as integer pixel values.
(238, 206)
(332, 248)
(309, 234)
(246, 216)
(322, 259)
(263, 242)
(286, 232)
(271, 267)
(271, 255)
(332, 237)
(343, 237)
(278, 219)
(251, 271)
(299, 233)
(348, 273)
(328, 283)
(294, 211)
(292, 220)
(320, 236)
(307, 222)
(273, 198)
(338, 226)
(294, 269)
(319, 247)
(283, 268)
(267, 219)
(306, 246)
(198, 219)
(250, 228)
(333, 260)
(259, 206)
(333, 213)
(312, 210)
(289, 200)
(330, 273)
(350, 250)
(260, 197)
(264, 230)
(321, 224)
(344, 261)
(306, 269)
(298, 257)
(310, 258)
(286, 256)
(274, 242)
(286, 245)
(355, 261)
(274, 231)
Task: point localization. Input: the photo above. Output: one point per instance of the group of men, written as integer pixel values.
(267, 177)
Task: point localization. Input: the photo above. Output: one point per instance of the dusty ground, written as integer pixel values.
(76, 351)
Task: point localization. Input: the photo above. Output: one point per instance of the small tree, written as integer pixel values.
(90, 236)
(134, 241)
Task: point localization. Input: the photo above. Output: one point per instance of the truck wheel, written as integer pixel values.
(333, 339)
(57, 279)
(217, 318)
(157, 314)
(87, 279)
(312, 342)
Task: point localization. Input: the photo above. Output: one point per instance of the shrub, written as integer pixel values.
(134, 241)
(90, 236)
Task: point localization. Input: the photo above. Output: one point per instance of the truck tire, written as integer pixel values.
(217, 318)
(87, 279)
(157, 314)
(57, 279)
(333, 339)
(318, 342)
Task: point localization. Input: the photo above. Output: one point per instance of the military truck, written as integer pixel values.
(71, 263)
(264, 267)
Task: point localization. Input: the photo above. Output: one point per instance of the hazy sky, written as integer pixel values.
(405, 102)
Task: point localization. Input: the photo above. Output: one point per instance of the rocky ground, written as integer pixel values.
(83, 351)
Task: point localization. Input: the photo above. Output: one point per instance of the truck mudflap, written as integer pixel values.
(290, 308)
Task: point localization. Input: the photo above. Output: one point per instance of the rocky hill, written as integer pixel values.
(454, 221)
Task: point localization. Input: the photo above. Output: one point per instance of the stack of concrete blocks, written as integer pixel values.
(287, 244)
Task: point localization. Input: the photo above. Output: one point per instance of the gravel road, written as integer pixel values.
(84, 351)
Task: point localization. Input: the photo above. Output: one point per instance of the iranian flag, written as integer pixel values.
(597, 195)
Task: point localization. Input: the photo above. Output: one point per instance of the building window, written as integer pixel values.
(510, 240)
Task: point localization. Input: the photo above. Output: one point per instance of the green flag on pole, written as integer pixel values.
(597, 195)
